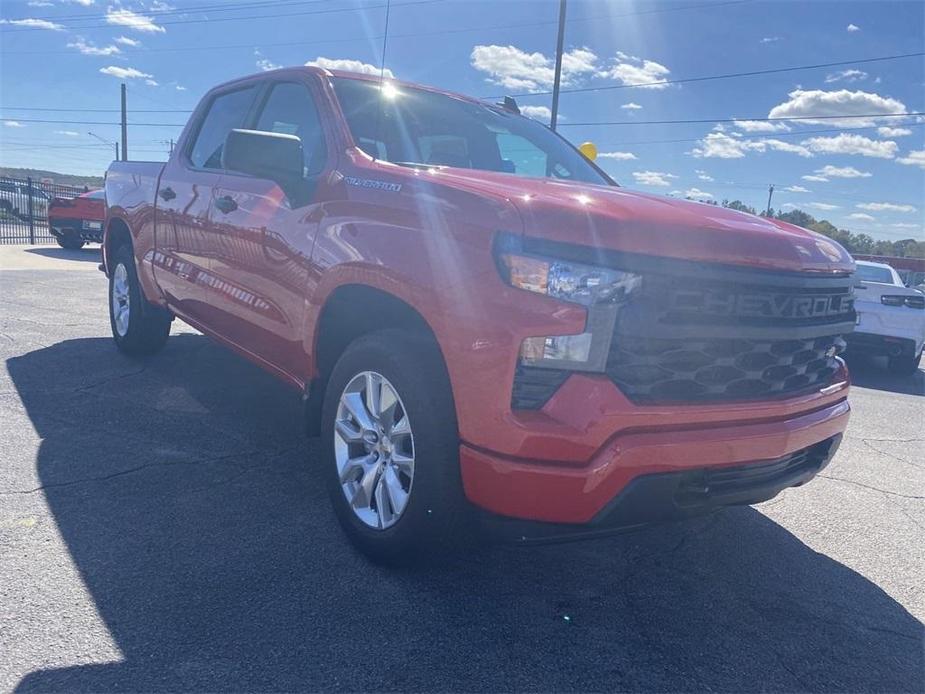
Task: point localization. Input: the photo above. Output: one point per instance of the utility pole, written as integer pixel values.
(558, 78)
(770, 193)
(124, 128)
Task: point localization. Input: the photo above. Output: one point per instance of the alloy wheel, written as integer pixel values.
(121, 299)
(374, 450)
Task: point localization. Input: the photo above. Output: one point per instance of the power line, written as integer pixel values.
(739, 136)
(98, 122)
(274, 15)
(155, 13)
(750, 73)
(92, 110)
(759, 119)
(437, 32)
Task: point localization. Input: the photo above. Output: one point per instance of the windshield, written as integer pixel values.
(418, 127)
(872, 273)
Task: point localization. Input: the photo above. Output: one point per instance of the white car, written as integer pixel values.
(891, 317)
(14, 199)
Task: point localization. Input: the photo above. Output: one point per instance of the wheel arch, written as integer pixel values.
(117, 233)
(349, 312)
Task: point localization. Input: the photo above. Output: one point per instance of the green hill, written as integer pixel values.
(53, 176)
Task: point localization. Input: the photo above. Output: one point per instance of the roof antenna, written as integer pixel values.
(385, 38)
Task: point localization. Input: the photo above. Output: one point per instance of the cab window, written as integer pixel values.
(226, 112)
(291, 110)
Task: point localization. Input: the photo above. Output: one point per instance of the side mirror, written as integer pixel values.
(275, 156)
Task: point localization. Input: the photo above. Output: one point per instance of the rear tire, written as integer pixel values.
(138, 326)
(905, 365)
(420, 511)
(70, 240)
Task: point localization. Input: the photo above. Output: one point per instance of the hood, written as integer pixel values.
(633, 222)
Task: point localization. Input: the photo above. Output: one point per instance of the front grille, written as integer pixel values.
(720, 368)
(724, 334)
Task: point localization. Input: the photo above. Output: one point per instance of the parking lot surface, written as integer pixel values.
(163, 526)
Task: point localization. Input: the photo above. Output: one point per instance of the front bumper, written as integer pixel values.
(581, 495)
(882, 345)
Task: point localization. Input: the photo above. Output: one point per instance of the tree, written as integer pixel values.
(739, 205)
(853, 243)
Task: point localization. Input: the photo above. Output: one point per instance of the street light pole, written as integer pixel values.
(558, 77)
(770, 193)
(106, 142)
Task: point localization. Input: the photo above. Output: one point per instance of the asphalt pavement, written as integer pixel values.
(163, 526)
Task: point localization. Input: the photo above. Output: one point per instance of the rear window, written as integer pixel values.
(872, 273)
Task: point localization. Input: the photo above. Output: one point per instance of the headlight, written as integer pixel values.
(562, 279)
(602, 290)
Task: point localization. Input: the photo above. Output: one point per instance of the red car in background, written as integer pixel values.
(75, 221)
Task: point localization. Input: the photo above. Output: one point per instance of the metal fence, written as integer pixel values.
(24, 208)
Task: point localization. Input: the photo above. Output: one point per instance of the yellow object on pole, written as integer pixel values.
(589, 149)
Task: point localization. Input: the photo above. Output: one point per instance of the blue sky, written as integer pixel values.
(862, 174)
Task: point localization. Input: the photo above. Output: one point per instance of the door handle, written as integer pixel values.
(226, 204)
(167, 193)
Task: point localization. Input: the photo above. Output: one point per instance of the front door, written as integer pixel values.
(265, 236)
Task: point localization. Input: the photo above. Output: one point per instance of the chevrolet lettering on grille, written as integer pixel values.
(762, 305)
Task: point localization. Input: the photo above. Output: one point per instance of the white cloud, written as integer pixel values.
(761, 126)
(348, 65)
(653, 178)
(884, 207)
(34, 24)
(697, 194)
(180, 88)
(818, 102)
(703, 175)
(152, 83)
(816, 179)
(124, 73)
(797, 189)
(829, 171)
(126, 41)
(540, 113)
(914, 158)
(263, 62)
(13, 124)
(843, 143)
(88, 48)
(624, 156)
(846, 76)
(628, 69)
(771, 39)
(887, 131)
(821, 206)
(905, 225)
(69, 133)
(719, 145)
(853, 27)
(135, 22)
(861, 216)
(631, 106)
(40, 3)
(510, 67)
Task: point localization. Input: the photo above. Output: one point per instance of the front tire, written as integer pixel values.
(138, 327)
(391, 447)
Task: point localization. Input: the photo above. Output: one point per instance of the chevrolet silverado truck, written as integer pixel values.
(483, 324)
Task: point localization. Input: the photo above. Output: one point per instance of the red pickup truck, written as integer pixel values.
(482, 322)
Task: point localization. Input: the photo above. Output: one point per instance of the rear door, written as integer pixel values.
(184, 238)
(265, 234)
